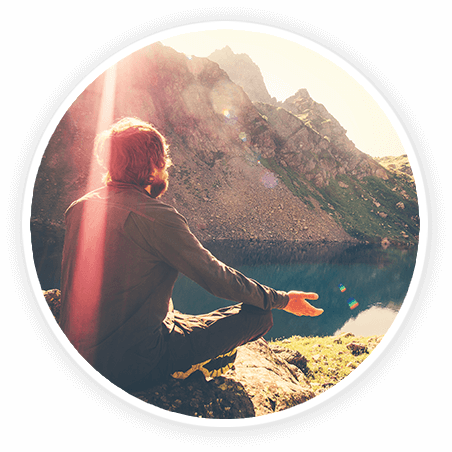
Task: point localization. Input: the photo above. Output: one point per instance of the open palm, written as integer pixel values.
(299, 306)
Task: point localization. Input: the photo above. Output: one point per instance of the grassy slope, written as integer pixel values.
(356, 204)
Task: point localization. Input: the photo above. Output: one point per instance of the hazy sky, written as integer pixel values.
(288, 66)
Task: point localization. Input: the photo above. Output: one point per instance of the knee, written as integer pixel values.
(265, 323)
(269, 321)
(262, 319)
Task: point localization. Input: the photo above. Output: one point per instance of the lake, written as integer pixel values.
(377, 278)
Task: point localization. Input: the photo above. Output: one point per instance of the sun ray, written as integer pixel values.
(88, 268)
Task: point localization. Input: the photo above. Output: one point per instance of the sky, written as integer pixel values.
(288, 66)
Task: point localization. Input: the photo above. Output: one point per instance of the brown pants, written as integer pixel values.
(192, 339)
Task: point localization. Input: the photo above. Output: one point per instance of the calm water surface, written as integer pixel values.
(378, 279)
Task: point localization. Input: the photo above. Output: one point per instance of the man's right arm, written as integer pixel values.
(174, 243)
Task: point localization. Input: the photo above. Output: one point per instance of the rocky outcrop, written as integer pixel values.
(272, 382)
(315, 144)
(261, 382)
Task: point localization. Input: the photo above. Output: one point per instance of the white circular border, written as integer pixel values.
(376, 355)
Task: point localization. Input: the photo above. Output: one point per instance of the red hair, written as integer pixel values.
(131, 150)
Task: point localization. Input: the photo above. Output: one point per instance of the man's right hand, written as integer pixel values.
(299, 306)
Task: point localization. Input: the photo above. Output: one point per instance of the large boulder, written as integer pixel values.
(260, 383)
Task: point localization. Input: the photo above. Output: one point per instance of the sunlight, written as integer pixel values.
(88, 269)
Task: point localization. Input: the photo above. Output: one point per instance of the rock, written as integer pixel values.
(400, 205)
(260, 383)
(381, 173)
(357, 348)
(385, 243)
(293, 357)
(268, 379)
(338, 339)
(316, 357)
(218, 398)
(53, 299)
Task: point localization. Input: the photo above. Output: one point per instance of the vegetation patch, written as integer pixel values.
(367, 209)
(330, 359)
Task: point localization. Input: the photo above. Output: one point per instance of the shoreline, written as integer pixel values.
(255, 252)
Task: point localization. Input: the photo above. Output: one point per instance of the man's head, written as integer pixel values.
(134, 152)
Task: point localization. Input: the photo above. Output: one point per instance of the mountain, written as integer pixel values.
(244, 172)
(315, 159)
(243, 72)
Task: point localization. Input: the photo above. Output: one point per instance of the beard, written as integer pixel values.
(159, 185)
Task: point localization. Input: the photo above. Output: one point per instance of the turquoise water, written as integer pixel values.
(378, 279)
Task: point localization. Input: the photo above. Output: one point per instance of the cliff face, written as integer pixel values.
(242, 171)
(317, 148)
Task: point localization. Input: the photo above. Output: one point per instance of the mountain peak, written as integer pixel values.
(243, 72)
(227, 49)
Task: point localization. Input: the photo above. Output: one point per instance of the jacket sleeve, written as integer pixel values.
(173, 242)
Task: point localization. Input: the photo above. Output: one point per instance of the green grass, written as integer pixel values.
(294, 182)
(359, 213)
(329, 360)
(353, 207)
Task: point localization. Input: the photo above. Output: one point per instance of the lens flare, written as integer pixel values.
(352, 303)
(269, 180)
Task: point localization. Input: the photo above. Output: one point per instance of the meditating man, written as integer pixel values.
(122, 253)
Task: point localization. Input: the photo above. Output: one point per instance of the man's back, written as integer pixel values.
(115, 288)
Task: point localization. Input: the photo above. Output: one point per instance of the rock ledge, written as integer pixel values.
(261, 382)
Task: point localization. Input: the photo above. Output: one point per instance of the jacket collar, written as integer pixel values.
(126, 185)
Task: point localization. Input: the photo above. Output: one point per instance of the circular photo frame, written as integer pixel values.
(289, 166)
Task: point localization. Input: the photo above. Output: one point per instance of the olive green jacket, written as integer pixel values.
(122, 253)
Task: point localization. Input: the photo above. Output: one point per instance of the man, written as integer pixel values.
(122, 253)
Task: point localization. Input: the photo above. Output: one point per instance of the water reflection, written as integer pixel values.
(377, 278)
(374, 321)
